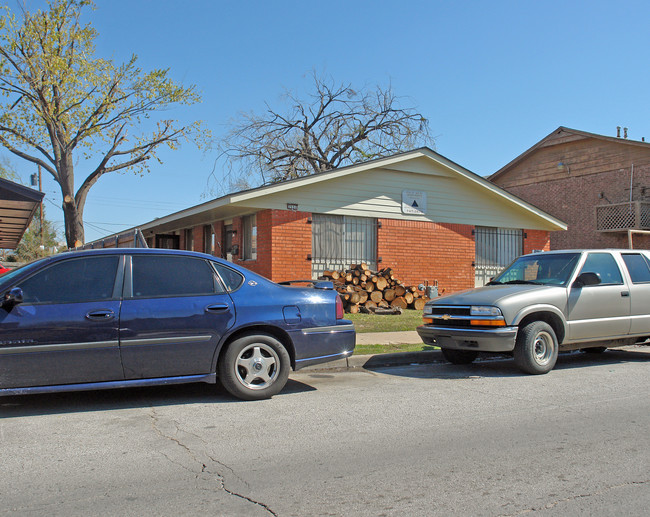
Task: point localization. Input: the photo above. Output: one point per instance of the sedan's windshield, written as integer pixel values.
(550, 269)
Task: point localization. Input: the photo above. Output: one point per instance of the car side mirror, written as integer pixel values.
(12, 297)
(587, 278)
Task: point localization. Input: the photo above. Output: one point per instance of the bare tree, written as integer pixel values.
(58, 103)
(337, 126)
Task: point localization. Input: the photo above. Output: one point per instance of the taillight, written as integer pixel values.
(339, 308)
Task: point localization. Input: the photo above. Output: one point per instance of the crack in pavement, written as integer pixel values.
(235, 494)
(204, 468)
(553, 504)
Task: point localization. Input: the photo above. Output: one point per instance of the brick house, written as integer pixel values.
(417, 212)
(599, 185)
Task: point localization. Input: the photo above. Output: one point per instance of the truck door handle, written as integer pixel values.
(625, 293)
(217, 307)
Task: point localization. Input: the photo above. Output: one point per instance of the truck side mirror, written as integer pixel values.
(587, 278)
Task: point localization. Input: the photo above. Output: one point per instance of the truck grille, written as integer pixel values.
(450, 315)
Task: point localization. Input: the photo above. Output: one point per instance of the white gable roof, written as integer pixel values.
(375, 189)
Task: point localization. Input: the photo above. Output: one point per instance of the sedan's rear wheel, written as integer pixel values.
(536, 348)
(254, 367)
(459, 356)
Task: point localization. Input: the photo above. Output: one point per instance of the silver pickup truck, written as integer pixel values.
(543, 303)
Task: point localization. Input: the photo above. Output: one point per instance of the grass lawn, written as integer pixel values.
(391, 349)
(408, 320)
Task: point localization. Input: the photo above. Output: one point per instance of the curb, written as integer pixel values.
(379, 360)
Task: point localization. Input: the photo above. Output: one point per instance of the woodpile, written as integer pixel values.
(363, 290)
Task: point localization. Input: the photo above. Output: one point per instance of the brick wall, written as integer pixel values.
(535, 240)
(283, 243)
(569, 176)
(573, 200)
(291, 243)
(416, 251)
(198, 238)
(420, 251)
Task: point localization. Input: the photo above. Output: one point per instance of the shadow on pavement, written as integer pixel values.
(127, 398)
(504, 366)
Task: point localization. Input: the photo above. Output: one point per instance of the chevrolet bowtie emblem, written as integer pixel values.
(446, 317)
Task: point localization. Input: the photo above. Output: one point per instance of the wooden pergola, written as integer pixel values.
(17, 207)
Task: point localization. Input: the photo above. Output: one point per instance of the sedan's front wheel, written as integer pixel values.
(254, 367)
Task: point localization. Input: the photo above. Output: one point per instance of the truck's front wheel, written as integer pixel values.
(536, 348)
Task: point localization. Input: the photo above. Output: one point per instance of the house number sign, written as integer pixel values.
(414, 202)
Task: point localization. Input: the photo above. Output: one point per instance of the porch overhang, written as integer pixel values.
(17, 207)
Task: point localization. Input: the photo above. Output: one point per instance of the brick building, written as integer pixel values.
(599, 185)
(419, 213)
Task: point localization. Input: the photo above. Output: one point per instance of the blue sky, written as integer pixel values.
(493, 78)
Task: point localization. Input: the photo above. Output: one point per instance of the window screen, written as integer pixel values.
(160, 275)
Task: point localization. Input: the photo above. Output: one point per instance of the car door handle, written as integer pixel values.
(102, 315)
(625, 293)
(217, 307)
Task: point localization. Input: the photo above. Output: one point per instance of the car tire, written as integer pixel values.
(536, 348)
(594, 350)
(254, 367)
(459, 356)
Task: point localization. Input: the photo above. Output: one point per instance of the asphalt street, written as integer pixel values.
(432, 439)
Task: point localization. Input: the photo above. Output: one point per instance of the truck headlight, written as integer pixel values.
(484, 310)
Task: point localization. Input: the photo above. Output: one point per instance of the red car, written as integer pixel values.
(3, 269)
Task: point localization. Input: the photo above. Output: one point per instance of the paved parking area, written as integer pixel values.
(432, 439)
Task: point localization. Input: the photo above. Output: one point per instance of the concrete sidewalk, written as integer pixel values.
(378, 360)
(389, 338)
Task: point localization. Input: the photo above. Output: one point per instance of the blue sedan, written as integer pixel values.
(138, 317)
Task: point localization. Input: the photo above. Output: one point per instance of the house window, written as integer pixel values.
(249, 237)
(208, 239)
(189, 239)
(338, 241)
(495, 248)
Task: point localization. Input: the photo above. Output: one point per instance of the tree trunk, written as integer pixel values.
(74, 225)
(73, 206)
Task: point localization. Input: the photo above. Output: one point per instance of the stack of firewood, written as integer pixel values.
(363, 290)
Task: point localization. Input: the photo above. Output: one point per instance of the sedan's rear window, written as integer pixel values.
(168, 275)
(231, 278)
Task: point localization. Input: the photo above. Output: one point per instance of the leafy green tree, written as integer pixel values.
(336, 125)
(60, 103)
(6, 170)
(33, 245)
